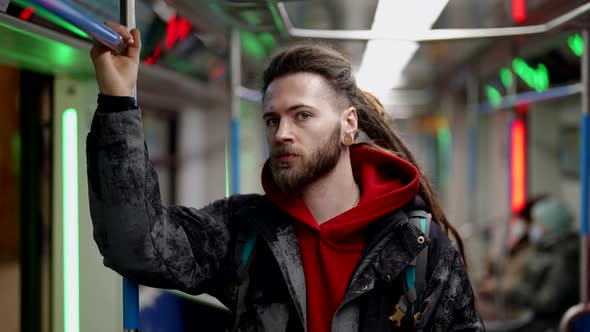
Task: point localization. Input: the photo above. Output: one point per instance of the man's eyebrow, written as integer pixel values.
(268, 115)
(291, 108)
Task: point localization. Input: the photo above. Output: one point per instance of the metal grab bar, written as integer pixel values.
(97, 30)
(130, 288)
(427, 36)
(577, 318)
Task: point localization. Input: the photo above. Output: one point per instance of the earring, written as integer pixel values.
(348, 139)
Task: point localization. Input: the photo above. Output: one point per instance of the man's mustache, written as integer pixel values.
(284, 150)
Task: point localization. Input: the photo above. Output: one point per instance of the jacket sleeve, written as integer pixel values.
(165, 247)
(449, 303)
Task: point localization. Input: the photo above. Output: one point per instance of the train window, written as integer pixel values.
(569, 151)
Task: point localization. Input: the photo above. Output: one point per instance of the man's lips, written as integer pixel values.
(285, 158)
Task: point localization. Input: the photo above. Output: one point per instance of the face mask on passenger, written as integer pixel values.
(518, 229)
(536, 232)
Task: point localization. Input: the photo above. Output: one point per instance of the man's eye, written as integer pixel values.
(272, 122)
(303, 116)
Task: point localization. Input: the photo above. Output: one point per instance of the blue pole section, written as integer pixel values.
(130, 305)
(584, 325)
(83, 21)
(235, 72)
(584, 164)
(585, 241)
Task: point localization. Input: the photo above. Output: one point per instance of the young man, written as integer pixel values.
(331, 238)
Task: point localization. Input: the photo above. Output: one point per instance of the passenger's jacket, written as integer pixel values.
(550, 283)
(199, 250)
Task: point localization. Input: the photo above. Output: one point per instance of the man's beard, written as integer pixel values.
(291, 177)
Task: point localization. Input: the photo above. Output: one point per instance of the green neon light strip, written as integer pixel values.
(576, 44)
(53, 18)
(267, 39)
(25, 32)
(445, 143)
(251, 45)
(494, 96)
(537, 79)
(506, 77)
(70, 220)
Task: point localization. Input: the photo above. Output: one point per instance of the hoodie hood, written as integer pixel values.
(387, 183)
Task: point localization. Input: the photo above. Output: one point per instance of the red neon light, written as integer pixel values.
(521, 109)
(518, 165)
(176, 29)
(519, 10)
(171, 32)
(153, 59)
(27, 13)
(183, 27)
(217, 72)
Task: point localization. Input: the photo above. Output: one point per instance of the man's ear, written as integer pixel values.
(350, 121)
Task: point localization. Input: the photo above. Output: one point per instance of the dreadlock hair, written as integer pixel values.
(373, 120)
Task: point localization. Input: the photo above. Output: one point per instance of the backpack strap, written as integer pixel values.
(414, 281)
(245, 250)
(248, 249)
(422, 220)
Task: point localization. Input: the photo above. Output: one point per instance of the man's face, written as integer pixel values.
(303, 128)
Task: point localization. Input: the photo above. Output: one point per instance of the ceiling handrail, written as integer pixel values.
(85, 22)
(430, 35)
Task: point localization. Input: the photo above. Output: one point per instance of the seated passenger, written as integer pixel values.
(503, 279)
(551, 279)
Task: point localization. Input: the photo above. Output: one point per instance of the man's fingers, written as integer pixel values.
(123, 31)
(134, 49)
(98, 49)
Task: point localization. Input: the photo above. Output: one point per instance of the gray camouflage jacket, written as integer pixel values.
(199, 250)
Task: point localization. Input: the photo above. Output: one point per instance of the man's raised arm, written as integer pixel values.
(151, 244)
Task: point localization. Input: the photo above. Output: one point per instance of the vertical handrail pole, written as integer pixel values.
(130, 288)
(235, 71)
(585, 154)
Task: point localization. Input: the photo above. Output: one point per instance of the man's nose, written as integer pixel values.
(284, 132)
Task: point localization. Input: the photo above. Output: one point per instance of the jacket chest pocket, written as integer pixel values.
(269, 309)
(377, 307)
(269, 305)
(272, 317)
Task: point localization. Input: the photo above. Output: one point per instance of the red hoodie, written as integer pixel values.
(330, 251)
